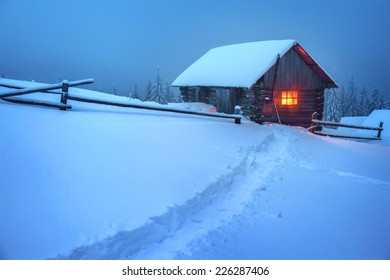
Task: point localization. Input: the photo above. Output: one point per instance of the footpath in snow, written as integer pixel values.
(165, 236)
(278, 203)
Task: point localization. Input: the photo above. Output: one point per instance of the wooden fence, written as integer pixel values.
(317, 125)
(64, 86)
(65, 96)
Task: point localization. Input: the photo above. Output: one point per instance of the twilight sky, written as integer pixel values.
(120, 43)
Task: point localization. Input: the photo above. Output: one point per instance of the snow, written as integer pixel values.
(239, 65)
(100, 182)
(374, 120)
(353, 120)
(350, 121)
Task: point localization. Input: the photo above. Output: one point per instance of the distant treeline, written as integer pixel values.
(157, 91)
(349, 101)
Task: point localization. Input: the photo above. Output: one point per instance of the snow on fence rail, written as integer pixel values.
(65, 96)
(318, 124)
(64, 86)
(237, 118)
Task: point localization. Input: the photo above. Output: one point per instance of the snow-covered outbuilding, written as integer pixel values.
(266, 79)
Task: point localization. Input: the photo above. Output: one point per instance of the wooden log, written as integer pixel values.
(237, 118)
(64, 93)
(16, 92)
(275, 77)
(346, 136)
(44, 88)
(380, 130)
(37, 102)
(326, 123)
(19, 87)
(237, 111)
(318, 124)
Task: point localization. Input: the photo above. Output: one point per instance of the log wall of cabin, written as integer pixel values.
(295, 74)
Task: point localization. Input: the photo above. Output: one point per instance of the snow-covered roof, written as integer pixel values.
(240, 65)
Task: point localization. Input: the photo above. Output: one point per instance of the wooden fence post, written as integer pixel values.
(314, 126)
(380, 130)
(64, 93)
(237, 111)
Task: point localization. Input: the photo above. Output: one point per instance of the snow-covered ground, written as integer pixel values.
(100, 182)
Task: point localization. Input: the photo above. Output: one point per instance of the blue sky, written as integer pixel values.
(120, 43)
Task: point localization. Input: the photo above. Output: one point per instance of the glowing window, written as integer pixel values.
(289, 98)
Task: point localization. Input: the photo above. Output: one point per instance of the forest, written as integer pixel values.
(349, 101)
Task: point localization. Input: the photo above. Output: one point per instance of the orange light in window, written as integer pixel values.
(289, 97)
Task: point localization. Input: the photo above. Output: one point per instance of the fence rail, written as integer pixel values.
(317, 125)
(37, 102)
(65, 96)
(22, 91)
(237, 118)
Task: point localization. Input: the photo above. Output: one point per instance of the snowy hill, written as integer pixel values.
(98, 182)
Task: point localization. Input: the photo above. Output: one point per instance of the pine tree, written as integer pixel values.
(327, 104)
(148, 92)
(135, 93)
(354, 109)
(387, 104)
(377, 101)
(350, 102)
(343, 102)
(364, 103)
(332, 106)
(157, 92)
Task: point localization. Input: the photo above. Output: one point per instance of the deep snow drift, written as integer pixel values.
(98, 182)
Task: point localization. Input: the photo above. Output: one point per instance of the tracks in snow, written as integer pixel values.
(353, 176)
(171, 234)
(165, 236)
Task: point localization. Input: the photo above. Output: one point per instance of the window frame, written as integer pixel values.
(287, 98)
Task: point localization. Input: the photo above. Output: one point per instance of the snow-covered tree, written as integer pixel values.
(387, 104)
(332, 106)
(377, 101)
(351, 104)
(364, 104)
(343, 101)
(148, 92)
(135, 93)
(348, 102)
(157, 93)
(353, 109)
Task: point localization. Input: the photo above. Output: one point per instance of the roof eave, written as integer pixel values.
(317, 69)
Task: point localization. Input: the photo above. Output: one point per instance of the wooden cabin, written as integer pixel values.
(269, 80)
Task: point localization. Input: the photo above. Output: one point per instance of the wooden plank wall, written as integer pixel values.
(294, 74)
